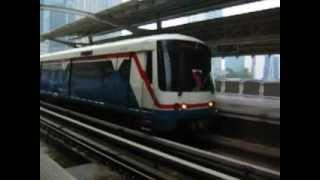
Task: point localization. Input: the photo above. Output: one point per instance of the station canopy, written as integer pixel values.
(255, 32)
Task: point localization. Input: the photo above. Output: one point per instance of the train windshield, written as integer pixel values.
(184, 66)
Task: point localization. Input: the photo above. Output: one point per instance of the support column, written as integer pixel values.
(90, 39)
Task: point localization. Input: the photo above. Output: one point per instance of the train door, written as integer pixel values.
(122, 89)
(136, 83)
(146, 99)
(144, 82)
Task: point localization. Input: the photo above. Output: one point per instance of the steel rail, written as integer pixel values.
(84, 142)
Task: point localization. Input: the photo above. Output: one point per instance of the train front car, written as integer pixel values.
(163, 80)
(184, 87)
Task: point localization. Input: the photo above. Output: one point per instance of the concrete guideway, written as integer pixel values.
(229, 162)
(162, 155)
(50, 170)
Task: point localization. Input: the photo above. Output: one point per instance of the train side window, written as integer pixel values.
(66, 70)
(149, 65)
(161, 69)
(40, 72)
(91, 70)
(108, 69)
(43, 77)
(46, 76)
(124, 70)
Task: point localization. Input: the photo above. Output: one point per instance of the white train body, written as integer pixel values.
(165, 78)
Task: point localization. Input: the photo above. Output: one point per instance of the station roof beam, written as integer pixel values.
(133, 13)
(255, 32)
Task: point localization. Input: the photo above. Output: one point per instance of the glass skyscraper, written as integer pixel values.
(271, 68)
(50, 20)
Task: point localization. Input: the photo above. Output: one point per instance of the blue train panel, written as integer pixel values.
(98, 81)
(55, 78)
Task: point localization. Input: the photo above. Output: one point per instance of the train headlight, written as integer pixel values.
(184, 106)
(211, 104)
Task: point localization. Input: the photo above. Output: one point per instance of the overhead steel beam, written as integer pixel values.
(132, 14)
(177, 13)
(68, 43)
(65, 10)
(256, 32)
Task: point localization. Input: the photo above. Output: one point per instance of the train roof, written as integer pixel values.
(128, 42)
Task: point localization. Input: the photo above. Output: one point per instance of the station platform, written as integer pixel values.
(50, 170)
(92, 171)
(255, 108)
(58, 165)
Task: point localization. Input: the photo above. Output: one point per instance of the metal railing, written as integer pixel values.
(249, 87)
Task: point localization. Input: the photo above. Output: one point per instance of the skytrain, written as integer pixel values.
(163, 79)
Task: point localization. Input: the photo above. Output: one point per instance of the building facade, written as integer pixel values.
(272, 68)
